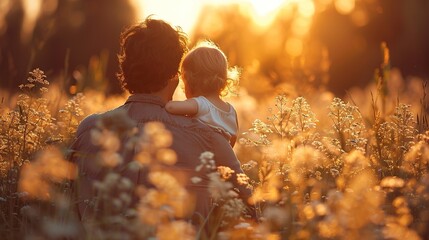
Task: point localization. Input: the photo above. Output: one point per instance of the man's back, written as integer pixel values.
(190, 138)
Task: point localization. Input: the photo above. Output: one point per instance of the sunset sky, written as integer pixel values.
(185, 12)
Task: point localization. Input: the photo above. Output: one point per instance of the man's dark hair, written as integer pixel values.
(150, 54)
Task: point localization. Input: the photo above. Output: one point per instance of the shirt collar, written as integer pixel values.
(146, 98)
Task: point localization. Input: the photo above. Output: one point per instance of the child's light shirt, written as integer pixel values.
(215, 117)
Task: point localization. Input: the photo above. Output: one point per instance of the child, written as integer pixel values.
(205, 75)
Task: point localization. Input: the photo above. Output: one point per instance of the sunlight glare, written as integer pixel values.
(32, 9)
(185, 13)
(264, 12)
(264, 8)
(306, 8)
(208, 28)
(177, 13)
(344, 6)
(4, 8)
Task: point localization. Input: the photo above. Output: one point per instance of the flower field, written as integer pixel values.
(320, 167)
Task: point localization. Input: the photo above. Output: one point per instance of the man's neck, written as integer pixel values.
(166, 94)
(163, 94)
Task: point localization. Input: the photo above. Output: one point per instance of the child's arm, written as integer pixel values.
(188, 107)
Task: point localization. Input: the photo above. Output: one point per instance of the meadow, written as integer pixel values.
(321, 167)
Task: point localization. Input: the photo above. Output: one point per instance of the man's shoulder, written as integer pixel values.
(186, 123)
(91, 120)
(197, 127)
(88, 123)
(172, 121)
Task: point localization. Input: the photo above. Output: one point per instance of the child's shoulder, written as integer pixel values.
(201, 100)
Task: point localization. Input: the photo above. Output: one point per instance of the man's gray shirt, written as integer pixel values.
(190, 139)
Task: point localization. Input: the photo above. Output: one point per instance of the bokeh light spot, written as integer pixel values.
(294, 47)
(344, 6)
(301, 26)
(306, 8)
(359, 18)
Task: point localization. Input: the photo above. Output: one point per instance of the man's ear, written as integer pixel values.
(174, 81)
(172, 85)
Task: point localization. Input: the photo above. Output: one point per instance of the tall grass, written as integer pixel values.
(347, 174)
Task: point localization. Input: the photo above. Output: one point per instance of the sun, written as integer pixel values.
(184, 13)
(264, 12)
(265, 8)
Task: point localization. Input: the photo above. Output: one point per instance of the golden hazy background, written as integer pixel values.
(325, 44)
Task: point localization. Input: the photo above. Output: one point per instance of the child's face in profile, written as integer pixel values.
(188, 92)
(185, 86)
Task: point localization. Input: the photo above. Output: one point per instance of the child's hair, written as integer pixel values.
(205, 70)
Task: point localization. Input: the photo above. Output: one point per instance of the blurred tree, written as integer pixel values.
(411, 49)
(354, 44)
(77, 35)
(12, 52)
(78, 41)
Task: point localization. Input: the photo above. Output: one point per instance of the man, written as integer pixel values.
(149, 59)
